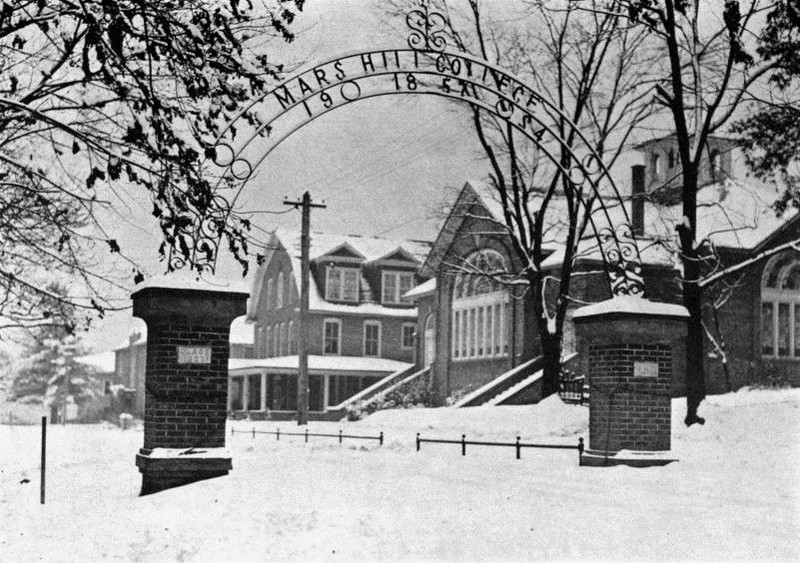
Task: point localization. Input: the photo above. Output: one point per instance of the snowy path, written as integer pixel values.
(734, 494)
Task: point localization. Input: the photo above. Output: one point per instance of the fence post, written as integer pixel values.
(580, 449)
(278, 434)
(44, 449)
(231, 429)
(254, 431)
(306, 434)
(518, 448)
(380, 439)
(417, 441)
(463, 444)
(340, 436)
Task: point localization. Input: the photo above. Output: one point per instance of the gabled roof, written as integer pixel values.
(344, 250)
(373, 249)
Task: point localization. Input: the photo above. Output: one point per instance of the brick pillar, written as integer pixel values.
(630, 349)
(186, 382)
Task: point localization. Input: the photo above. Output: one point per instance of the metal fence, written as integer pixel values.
(518, 445)
(306, 434)
(573, 388)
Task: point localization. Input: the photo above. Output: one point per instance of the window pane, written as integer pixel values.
(490, 331)
(783, 329)
(268, 352)
(506, 318)
(389, 287)
(408, 336)
(456, 334)
(499, 333)
(334, 286)
(331, 345)
(767, 330)
(472, 333)
(479, 328)
(372, 339)
(350, 285)
(406, 283)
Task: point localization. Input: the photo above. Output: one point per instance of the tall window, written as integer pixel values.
(279, 291)
(284, 341)
(341, 284)
(332, 330)
(372, 338)
(268, 350)
(279, 336)
(395, 285)
(270, 294)
(780, 307)
(656, 165)
(409, 330)
(481, 309)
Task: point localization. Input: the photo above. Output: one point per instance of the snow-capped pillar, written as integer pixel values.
(186, 382)
(630, 349)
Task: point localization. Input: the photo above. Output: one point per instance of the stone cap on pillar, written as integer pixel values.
(629, 306)
(189, 299)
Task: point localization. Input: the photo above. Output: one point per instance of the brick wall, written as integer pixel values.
(185, 404)
(628, 410)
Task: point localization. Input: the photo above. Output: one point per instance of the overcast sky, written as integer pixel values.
(382, 166)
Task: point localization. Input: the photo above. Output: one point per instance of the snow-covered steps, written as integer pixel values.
(512, 392)
(500, 384)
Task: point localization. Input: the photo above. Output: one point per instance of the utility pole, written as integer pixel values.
(302, 349)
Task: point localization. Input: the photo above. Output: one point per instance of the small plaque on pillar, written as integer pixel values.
(645, 369)
(194, 354)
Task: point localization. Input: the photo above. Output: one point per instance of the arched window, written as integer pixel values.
(780, 306)
(279, 291)
(481, 309)
(270, 295)
(656, 165)
(268, 347)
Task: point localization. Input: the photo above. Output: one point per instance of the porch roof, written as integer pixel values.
(321, 364)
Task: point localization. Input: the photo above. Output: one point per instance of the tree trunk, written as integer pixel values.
(695, 375)
(551, 355)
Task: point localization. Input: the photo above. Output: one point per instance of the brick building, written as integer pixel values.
(131, 358)
(361, 327)
(481, 336)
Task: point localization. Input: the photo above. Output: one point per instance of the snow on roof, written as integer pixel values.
(371, 248)
(192, 281)
(651, 252)
(631, 305)
(731, 213)
(423, 289)
(320, 363)
(105, 362)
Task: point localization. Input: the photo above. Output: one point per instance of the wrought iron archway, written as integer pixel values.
(427, 67)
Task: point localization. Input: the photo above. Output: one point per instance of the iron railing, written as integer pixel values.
(518, 445)
(306, 434)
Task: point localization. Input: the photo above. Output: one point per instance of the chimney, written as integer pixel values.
(637, 199)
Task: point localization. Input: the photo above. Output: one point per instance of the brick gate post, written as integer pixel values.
(186, 381)
(630, 350)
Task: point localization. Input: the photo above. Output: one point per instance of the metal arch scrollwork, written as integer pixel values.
(198, 239)
(427, 29)
(621, 255)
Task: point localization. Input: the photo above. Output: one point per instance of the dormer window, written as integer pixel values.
(341, 284)
(394, 285)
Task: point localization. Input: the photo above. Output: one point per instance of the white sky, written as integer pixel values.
(381, 166)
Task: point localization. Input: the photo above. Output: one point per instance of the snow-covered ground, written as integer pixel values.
(733, 494)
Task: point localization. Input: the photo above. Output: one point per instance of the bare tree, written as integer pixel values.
(708, 76)
(104, 101)
(588, 69)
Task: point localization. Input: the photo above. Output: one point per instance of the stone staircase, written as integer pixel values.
(517, 386)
